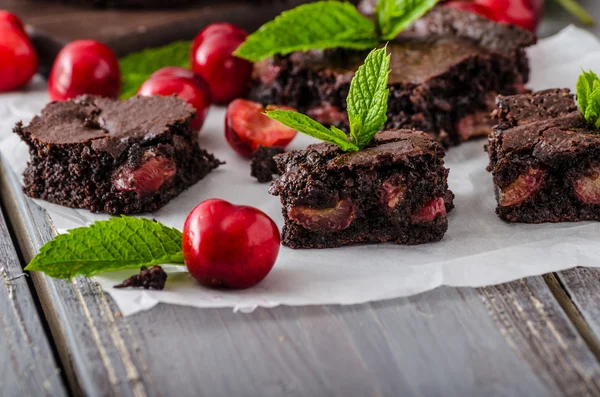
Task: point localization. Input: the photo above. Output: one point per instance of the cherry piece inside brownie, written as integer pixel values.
(394, 190)
(447, 70)
(545, 159)
(118, 157)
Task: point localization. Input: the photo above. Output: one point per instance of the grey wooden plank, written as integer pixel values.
(581, 300)
(27, 364)
(507, 340)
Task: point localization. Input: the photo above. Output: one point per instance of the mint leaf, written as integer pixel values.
(116, 244)
(310, 127)
(138, 66)
(588, 97)
(320, 25)
(367, 100)
(393, 16)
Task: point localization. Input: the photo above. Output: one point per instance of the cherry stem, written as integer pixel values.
(577, 11)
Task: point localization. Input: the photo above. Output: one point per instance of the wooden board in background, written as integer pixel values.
(53, 24)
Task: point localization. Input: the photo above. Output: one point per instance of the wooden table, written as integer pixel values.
(534, 337)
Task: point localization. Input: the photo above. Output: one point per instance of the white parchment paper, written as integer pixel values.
(478, 249)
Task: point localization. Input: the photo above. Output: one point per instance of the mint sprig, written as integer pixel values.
(393, 16)
(367, 107)
(330, 24)
(367, 99)
(138, 66)
(116, 244)
(588, 97)
(320, 25)
(308, 126)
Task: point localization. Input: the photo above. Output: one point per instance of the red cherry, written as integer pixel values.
(246, 127)
(522, 188)
(226, 75)
(148, 177)
(18, 60)
(12, 19)
(178, 71)
(186, 89)
(226, 245)
(84, 67)
(430, 211)
(221, 29)
(523, 13)
(587, 186)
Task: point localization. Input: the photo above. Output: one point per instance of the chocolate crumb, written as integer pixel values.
(153, 278)
(263, 167)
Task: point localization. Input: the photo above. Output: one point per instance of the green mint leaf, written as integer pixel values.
(138, 66)
(367, 99)
(310, 127)
(116, 244)
(393, 16)
(320, 25)
(588, 97)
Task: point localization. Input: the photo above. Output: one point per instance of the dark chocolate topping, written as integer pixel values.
(107, 122)
(547, 123)
(387, 147)
(496, 37)
(541, 105)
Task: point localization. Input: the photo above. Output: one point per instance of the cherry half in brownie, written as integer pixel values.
(394, 190)
(545, 159)
(118, 157)
(446, 72)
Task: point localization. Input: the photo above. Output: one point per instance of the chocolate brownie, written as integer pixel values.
(446, 71)
(263, 165)
(395, 190)
(544, 158)
(118, 157)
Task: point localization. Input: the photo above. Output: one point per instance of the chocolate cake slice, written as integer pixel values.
(118, 157)
(446, 71)
(545, 159)
(395, 190)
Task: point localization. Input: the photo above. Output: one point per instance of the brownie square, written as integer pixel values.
(395, 190)
(447, 70)
(545, 159)
(118, 157)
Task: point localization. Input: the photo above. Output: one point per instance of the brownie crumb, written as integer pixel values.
(153, 278)
(263, 167)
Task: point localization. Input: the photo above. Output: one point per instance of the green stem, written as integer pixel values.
(577, 11)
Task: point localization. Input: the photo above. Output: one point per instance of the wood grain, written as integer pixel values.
(27, 364)
(508, 340)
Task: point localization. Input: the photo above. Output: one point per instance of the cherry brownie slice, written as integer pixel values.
(118, 157)
(545, 159)
(446, 71)
(395, 190)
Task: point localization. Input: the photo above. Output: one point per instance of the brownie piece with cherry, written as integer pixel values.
(118, 157)
(447, 70)
(545, 159)
(394, 190)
